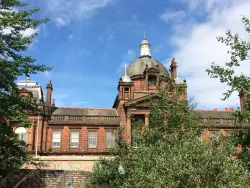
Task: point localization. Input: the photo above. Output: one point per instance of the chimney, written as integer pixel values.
(173, 69)
(49, 93)
(243, 99)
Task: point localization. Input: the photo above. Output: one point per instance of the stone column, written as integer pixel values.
(128, 129)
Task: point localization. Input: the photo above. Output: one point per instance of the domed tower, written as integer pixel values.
(136, 87)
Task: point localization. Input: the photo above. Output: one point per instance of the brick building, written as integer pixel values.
(73, 138)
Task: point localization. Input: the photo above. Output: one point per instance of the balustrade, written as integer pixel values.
(85, 119)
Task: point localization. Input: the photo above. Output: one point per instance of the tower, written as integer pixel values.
(145, 48)
(126, 87)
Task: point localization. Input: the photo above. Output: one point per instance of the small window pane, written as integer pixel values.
(110, 140)
(135, 140)
(92, 139)
(56, 139)
(151, 80)
(74, 139)
(23, 137)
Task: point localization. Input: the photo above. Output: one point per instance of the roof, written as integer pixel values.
(215, 114)
(138, 66)
(145, 41)
(85, 111)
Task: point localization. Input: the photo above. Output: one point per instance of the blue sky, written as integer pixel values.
(88, 42)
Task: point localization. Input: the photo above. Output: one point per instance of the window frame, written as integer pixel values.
(21, 131)
(152, 80)
(78, 138)
(135, 140)
(94, 146)
(60, 139)
(112, 145)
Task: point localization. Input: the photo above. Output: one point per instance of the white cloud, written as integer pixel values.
(28, 32)
(65, 11)
(173, 16)
(199, 48)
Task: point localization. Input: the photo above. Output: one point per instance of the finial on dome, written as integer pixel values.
(126, 78)
(144, 35)
(125, 70)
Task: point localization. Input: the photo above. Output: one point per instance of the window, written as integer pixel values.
(56, 139)
(110, 139)
(74, 139)
(126, 92)
(92, 139)
(21, 132)
(214, 136)
(135, 140)
(179, 91)
(151, 80)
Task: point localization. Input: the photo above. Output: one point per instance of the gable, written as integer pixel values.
(142, 101)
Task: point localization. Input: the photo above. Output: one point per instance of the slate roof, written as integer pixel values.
(85, 111)
(214, 114)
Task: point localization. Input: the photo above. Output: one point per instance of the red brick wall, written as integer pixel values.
(83, 138)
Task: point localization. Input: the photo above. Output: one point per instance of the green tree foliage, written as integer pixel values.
(15, 20)
(171, 154)
(238, 51)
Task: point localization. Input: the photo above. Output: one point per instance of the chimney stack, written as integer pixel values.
(243, 99)
(49, 93)
(173, 69)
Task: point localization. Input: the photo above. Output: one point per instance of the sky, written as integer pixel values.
(87, 42)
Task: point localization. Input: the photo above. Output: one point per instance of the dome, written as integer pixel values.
(145, 41)
(138, 66)
(178, 81)
(126, 78)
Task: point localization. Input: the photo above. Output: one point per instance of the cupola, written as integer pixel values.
(145, 48)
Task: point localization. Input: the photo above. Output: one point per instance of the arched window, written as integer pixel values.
(21, 132)
(151, 80)
(126, 92)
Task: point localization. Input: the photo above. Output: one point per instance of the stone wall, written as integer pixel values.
(46, 178)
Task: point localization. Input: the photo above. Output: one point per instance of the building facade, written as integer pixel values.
(66, 137)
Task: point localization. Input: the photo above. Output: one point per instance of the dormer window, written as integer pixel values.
(151, 80)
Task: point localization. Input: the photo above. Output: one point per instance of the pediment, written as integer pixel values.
(142, 101)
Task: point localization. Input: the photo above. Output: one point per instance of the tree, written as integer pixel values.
(171, 154)
(238, 50)
(15, 20)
